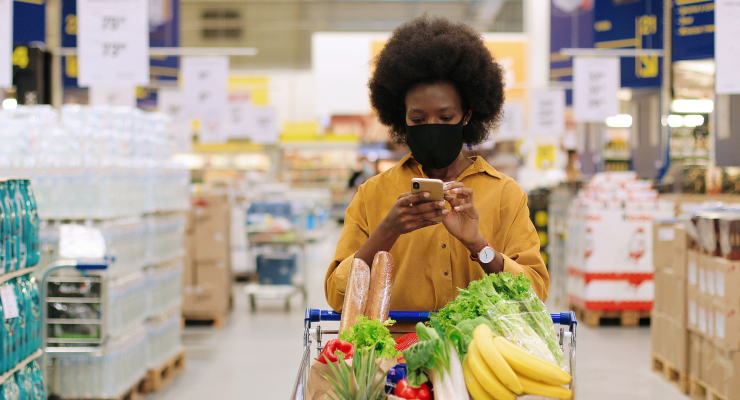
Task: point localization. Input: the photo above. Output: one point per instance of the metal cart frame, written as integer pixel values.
(564, 319)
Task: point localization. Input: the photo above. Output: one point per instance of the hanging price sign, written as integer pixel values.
(6, 43)
(206, 97)
(595, 85)
(113, 42)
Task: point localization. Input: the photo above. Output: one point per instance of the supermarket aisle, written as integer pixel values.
(256, 356)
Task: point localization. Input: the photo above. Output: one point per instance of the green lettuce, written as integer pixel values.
(372, 334)
(430, 353)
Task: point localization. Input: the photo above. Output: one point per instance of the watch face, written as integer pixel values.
(486, 255)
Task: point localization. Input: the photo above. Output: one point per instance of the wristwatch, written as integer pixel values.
(485, 255)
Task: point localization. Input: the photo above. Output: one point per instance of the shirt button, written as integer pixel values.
(447, 273)
(444, 245)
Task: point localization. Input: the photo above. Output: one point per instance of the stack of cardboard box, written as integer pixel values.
(609, 246)
(696, 319)
(207, 275)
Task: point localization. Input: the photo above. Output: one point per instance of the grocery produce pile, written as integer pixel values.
(495, 340)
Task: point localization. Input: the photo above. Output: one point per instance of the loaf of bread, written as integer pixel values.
(356, 295)
(381, 286)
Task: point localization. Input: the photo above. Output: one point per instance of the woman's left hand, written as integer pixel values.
(462, 220)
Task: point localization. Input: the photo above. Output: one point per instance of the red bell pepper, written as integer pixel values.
(334, 345)
(404, 391)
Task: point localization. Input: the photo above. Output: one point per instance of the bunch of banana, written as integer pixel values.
(496, 369)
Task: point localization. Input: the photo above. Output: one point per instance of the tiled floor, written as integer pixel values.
(256, 355)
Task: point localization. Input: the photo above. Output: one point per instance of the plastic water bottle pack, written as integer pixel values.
(163, 338)
(164, 287)
(93, 162)
(107, 376)
(19, 226)
(20, 312)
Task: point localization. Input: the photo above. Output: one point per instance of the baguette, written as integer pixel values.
(355, 297)
(381, 286)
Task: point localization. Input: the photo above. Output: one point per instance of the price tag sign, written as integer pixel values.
(726, 47)
(6, 43)
(171, 102)
(512, 127)
(265, 129)
(10, 302)
(596, 82)
(547, 112)
(206, 96)
(113, 42)
(113, 96)
(241, 121)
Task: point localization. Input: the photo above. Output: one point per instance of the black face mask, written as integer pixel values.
(435, 145)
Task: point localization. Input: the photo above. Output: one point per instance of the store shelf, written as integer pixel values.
(20, 365)
(617, 155)
(6, 277)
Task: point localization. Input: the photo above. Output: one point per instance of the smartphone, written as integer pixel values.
(435, 187)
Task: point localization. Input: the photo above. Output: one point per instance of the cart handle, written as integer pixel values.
(316, 315)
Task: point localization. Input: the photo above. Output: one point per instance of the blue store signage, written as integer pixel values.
(693, 30)
(624, 24)
(571, 23)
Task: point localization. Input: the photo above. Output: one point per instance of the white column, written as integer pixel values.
(537, 27)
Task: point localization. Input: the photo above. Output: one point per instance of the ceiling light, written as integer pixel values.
(692, 106)
(10, 104)
(619, 121)
(675, 121)
(693, 120)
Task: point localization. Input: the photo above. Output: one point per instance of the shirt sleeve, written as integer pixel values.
(354, 234)
(522, 250)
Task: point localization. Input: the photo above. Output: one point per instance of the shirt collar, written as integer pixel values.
(479, 165)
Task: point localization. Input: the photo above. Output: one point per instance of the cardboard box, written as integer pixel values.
(695, 354)
(692, 311)
(664, 235)
(726, 326)
(670, 340)
(212, 227)
(692, 271)
(726, 372)
(726, 281)
(702, 266)
(670, 295)
(210, 292)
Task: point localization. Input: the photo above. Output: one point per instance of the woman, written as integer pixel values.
(437, 87)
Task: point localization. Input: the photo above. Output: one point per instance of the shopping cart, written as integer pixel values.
(564, 319)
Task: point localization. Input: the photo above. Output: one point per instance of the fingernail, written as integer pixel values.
(458, 208)
(441, 204)
(455, 190)
(425, 195)
(444, 212)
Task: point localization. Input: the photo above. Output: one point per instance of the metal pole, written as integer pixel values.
(665, 90)
(53, 43)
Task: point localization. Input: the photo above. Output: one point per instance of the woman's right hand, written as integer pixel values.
(410, 213)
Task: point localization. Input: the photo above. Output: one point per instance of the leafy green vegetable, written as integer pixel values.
(430, 353)
(532, 310)
(358, 381)
(509, 306)
(372, 334)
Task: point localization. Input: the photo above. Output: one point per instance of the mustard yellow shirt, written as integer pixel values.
(430, 263)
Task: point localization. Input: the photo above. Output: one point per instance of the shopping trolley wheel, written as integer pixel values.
(252, 304)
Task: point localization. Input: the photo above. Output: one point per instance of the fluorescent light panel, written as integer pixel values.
(692, 106)
(619, 121)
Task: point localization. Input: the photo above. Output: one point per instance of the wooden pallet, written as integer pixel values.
(158, 378)
(622, 318)
(665, 368)
(700, 390)
(216, 320)
(134, 393)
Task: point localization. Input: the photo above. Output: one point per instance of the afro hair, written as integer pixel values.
(426, 50)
